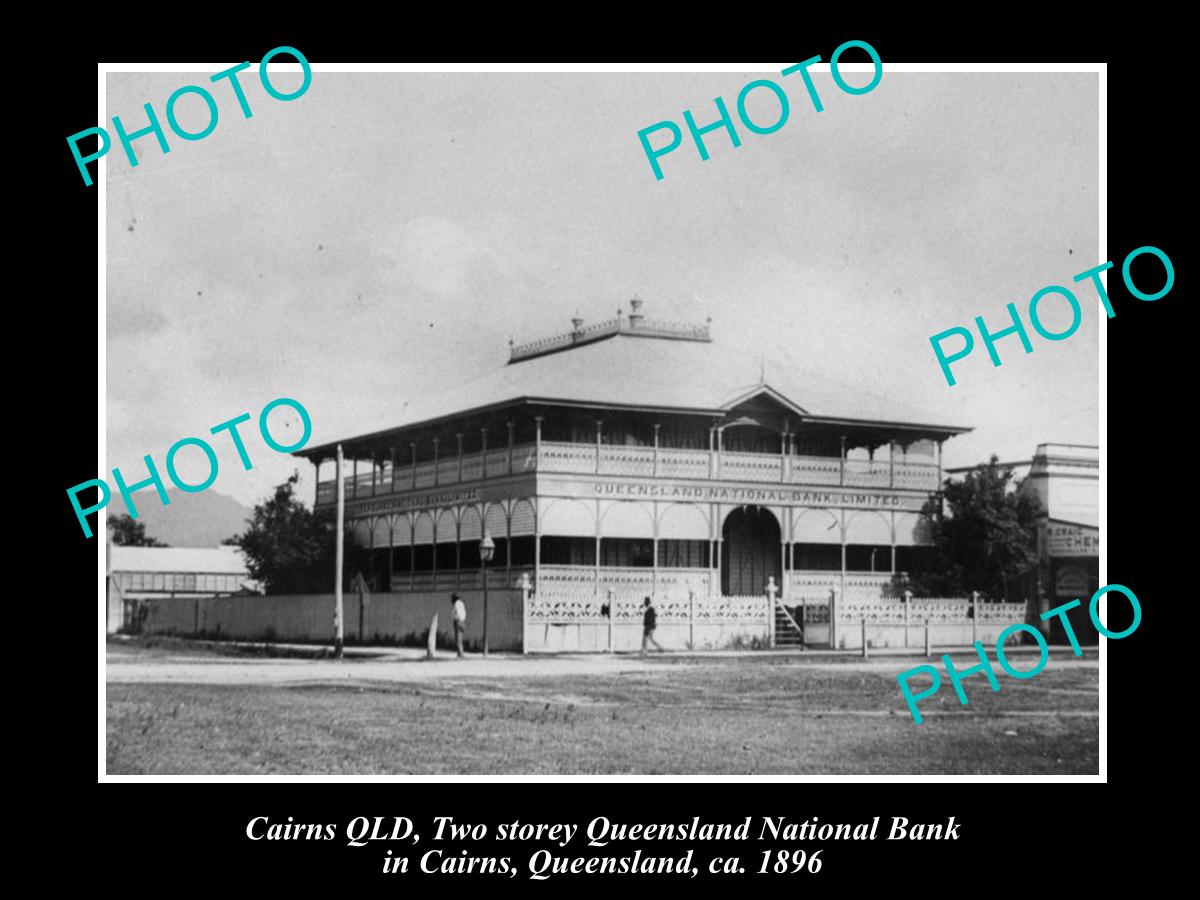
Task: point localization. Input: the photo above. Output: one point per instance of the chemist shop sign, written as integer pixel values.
(1064, 539)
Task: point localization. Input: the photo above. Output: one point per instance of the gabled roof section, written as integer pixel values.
(765, 390)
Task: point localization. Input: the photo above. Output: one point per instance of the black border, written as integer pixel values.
(1042, 834)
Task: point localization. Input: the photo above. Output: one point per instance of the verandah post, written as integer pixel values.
(338, 557)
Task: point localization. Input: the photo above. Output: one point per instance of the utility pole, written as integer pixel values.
(337, 585)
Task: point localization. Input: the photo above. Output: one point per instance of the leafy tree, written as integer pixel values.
(129, 532)
(289, 548)
(985, 541)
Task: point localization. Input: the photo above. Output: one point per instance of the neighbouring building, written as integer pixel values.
(632, 458)
(138, 575)
(1066, 480)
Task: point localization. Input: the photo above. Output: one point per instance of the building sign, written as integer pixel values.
(1071, 540)
(397, 502)
(655, 490)
(1070, 581)
(709, 493)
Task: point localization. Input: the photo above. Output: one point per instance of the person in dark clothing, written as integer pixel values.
(649, 621)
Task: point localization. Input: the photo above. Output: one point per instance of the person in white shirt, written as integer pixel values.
(460, 622)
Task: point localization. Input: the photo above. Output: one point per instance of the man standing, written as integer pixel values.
(649, 621)
(460, 621)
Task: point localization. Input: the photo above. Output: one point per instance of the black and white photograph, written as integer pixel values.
(616, 421)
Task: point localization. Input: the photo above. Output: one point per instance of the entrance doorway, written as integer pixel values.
(750, 551)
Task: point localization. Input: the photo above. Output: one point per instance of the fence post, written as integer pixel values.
(865, 652)
(974, 617)
(833, 618)
(691, 617)
(927, 654)
(772, 590)
(362, 609)
(432, 637)
(524, 585)
(907, 603)
(611, 611)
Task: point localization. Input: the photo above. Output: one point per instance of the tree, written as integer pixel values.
(987, 542)
(288, 547)
(129, 532)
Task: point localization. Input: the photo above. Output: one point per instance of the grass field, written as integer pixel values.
(751, 714)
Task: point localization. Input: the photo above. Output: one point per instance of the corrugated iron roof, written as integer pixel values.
(206, 560)
(641, 371)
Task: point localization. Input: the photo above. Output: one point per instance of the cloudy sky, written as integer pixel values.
(384, 235)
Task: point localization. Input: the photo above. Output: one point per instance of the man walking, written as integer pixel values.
(460, 621)
(649, 621)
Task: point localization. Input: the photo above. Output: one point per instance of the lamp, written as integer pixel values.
(487, 549)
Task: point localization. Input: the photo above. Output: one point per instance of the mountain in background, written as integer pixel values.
(192, 520)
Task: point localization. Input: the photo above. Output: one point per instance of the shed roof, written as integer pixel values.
(201, 560)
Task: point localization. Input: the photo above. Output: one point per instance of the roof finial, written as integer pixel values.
(635, 312)
(762, 370)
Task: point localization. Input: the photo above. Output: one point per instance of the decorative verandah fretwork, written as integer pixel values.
(935, 610)
(381, 477)
(559, 606)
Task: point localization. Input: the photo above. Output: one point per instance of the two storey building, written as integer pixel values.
(634, 457)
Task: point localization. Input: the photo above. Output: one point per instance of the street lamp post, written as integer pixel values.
(487, 549)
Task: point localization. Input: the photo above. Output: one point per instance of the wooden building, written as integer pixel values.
(634, 457)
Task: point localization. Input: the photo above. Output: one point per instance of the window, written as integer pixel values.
(674, 554)
(568, 551)
(522, 550)
(423, 558)
(807, 444)
(630, 552)
(910, 559)
(868, 558)
(817, 557)
(447, 557)
(751, 439)
(468, 555)
(683, 434)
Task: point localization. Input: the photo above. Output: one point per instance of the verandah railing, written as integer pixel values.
(649, 462)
